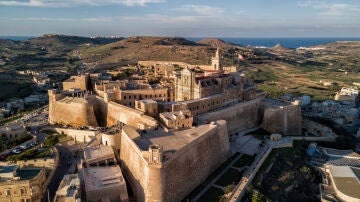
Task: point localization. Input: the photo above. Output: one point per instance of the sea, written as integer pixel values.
(264, 42)
(17, 38)
(285, 42)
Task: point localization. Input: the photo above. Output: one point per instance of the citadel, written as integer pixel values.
(168, 136)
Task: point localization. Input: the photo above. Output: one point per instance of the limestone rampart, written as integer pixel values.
(72, 111)
(282, 119)
(187, 167)
(94, 111)
(113, 112)
(134, 166)
(191, 165)
(239, 116)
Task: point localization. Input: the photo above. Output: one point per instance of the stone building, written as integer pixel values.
(348, 94)
(178, 119)
(190, 86)
(104, 184)
(130, 92)
(21, 184)
(69, 189)
(149, 107)
(12, 131)
(99, 156)
(81, 82)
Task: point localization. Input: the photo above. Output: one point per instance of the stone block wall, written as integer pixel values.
(239, 116)
(285, 120)
(72, 113)
(191, 165)
(175, 178)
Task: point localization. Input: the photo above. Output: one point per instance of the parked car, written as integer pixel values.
(16, 151)
(24, 147)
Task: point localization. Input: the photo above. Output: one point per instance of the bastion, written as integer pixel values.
(164, 166)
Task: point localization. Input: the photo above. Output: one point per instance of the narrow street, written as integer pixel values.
(66, 159)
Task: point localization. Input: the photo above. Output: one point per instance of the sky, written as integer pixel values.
(201, 18)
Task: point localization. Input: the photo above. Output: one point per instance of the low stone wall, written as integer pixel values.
(316, 128)
(42, 163)
(325, 139)
(82, 136)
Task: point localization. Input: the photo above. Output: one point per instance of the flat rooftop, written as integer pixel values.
(68, 187)
(277, 102)
(346, 180)
(100, 178)
(97, 152)
(73, 100)
(8, 169)
(344, 153)
(173, 141)
(147, 101)
(28, 173)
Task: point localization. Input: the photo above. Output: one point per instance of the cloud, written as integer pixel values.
(200, 9)
(330, 9)
(92, 19)
(73, 3)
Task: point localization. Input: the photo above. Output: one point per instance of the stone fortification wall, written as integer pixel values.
(113, 140)
(285, 120)
(112, 113)
(69, 112)
(239, 116)
(135, 167)
(78, 135)
(175, 178)
(191, 165)
(94, 111)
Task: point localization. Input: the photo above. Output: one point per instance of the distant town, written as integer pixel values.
(203, 128)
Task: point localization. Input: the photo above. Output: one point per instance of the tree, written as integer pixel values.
(50, 141)
(256, 197)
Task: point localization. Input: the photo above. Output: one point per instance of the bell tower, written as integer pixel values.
(215, 61)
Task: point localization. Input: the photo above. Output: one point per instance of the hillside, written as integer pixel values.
(68, 42)
(133, 49)
(277, 70)
(213, 42)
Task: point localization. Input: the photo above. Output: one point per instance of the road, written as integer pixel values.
(66, 159)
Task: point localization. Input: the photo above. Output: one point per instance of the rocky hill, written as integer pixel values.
(133, 49)
(68, 42)
(213, 42)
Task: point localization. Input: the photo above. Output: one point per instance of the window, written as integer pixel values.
(124, 97)
(7, 192)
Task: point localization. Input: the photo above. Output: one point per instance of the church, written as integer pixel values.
(192, 85)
